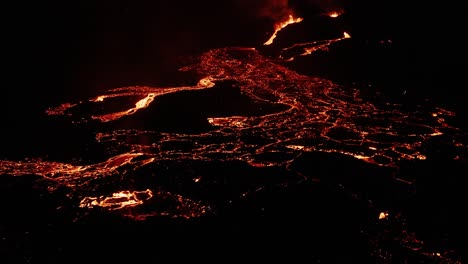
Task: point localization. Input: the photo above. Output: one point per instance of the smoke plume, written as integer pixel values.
(278, 10)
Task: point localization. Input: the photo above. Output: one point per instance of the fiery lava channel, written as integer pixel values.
(308, 48)
(279, 26)
(149, 94)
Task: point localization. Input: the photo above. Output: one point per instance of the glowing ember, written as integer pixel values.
(334, 14)
(281, 25)
(206, 82)
(383, 215)
(99, 99)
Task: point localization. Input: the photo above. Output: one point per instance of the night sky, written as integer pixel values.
(71, 48)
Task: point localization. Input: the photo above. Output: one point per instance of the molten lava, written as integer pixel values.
(304, 49)
(278, 27)
(118, 200)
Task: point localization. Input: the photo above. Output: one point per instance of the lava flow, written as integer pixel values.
(279, 26)
(314, 115)
(146, 94)
(281, 116)
(308, 48)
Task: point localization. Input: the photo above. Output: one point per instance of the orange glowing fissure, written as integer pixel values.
(281, 25)
(149, 95)
(290, 53)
